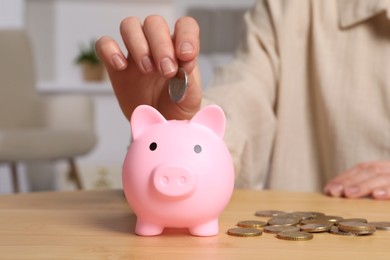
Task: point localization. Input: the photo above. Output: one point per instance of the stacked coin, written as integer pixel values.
(385, 225)
(299, 225)
(316, 227)
(278, 229)
(357, 228)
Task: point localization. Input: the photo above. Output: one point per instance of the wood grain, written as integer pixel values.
(100, 225)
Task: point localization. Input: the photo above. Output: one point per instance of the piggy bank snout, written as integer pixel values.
(174, 181)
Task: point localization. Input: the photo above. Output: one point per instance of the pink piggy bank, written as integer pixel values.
(178, 173)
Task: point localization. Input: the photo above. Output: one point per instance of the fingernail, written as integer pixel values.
(352, 190)
(147, 64)
(167, 66)
(118, 62)
(336, 190)
(186, 48)
(380, 193)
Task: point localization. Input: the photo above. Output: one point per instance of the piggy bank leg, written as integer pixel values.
(205, 230)
(144, 228)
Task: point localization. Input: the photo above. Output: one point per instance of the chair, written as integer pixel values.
(33, 128)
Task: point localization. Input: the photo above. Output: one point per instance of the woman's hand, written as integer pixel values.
(365, 179)
(153, 58)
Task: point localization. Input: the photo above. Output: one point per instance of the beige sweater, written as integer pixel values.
(308, 95)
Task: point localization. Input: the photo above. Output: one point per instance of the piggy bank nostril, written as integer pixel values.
(173, 181)
(182, 180)
(164, 180)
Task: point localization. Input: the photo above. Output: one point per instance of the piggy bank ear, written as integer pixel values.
(142, 118)
(211, 117)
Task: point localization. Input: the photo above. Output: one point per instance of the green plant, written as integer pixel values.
(88, 54)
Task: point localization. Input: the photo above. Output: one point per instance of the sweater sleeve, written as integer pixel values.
(246, 91)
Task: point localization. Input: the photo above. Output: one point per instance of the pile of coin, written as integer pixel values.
(300, 225)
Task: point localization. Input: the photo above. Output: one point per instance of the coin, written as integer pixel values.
(381, 225)
(269, 213)
(336, 231)
(301, 215)
(316, 227)
(277, 229)
(362, 220)
(294, 235)
(283, 221)
(331, 218)
(316, 214)
(178, 85)
(315, 221)
(251, 224)
(357, 227)
(244, 232)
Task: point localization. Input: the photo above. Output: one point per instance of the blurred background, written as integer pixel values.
(60, 34)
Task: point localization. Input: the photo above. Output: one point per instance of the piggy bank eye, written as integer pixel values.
(197, 148)
(153, 146)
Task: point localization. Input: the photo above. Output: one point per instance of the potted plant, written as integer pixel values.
(92, 67)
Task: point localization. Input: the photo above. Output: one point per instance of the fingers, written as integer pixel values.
(381, 193)
(368, 179)
(153, 56)
(187, 44)
(157, 33)
(136, 43)
(151, 46)
(376, 186)
(344, 183)
(110, 53)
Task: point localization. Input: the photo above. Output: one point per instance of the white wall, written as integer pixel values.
(56, 52)
(11, 13)
(183, 5)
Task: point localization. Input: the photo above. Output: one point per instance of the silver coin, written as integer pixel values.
(269, 213)
(178, 85)
(336, 231)
(277, 229)
(316, 227)
(383, 225)
(283, 221)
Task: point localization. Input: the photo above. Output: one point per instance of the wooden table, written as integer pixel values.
(100, 225)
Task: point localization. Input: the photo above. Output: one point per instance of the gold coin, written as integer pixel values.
(364, 232)
(381, 225)
(283, 221)
(336, 231)
(316, 227)
(301, 214)
(316, 214)
(277, 229)
(251, 224)
(357, 227)
(331, 218)
(244, 232)
(294, 235)
(269, 213)
(362, 220)
(315, 221)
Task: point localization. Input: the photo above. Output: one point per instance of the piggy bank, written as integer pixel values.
(177, 173)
